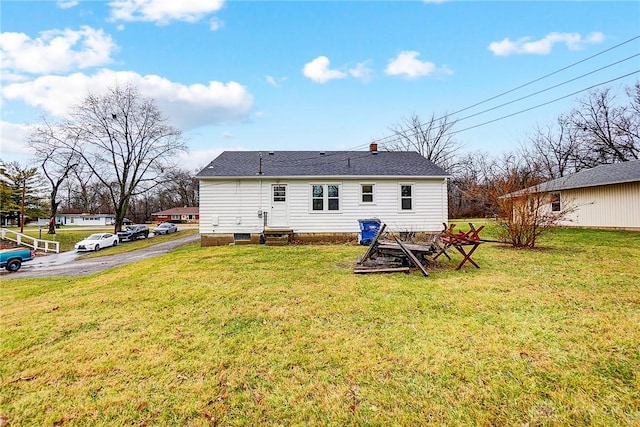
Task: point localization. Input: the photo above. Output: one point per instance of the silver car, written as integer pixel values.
(165, 228)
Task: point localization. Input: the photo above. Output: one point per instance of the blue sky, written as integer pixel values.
(323, 75)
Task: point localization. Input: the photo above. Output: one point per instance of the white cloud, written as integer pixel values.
(361, 71)
(55, 51)
(227, 135)
(215, 24)
(407, 64)
(275, 82)
(67, 4)
(444, 71)
(271, 80)
(198, 159)
(526, 46)
(186, 106)
(13, 141)
(318, 71)
(163, 11)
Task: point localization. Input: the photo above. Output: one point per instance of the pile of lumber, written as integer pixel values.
(392, 256)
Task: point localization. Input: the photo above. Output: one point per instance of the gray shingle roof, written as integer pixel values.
(616, 173)
(315, 163)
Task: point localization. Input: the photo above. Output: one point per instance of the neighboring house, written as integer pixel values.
(314, 194)
(607, 196)
(81, 219)
(186, 214)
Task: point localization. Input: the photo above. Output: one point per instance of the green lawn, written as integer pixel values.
(249, 335)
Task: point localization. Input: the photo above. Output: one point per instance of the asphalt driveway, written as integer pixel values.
(68, 263)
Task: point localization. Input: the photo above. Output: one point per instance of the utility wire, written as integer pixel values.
(392, 137)
(545, 103)
(546, 75)
(549, 88)
(342, 154)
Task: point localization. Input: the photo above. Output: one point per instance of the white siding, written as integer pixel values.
(616, 206)
(79, 220)
(232, 206)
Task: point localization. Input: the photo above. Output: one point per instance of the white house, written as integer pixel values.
(312, 194)
(607, 196)
(81, 219)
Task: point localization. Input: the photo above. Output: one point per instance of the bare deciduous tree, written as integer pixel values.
(126, 143)
(84, 193)
(553, 150)
(56, 156)
(181, 189)
(432, 138)
(468, 189)
(608, 132)
(524, 211)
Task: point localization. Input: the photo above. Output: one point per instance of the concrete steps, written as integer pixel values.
(277, 236)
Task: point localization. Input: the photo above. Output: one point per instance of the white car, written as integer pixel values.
(97, 241)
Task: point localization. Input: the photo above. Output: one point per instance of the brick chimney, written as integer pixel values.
(373, 147)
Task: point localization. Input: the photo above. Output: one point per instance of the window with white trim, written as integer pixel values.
(325, 197)
(406, 197)
(366, 192)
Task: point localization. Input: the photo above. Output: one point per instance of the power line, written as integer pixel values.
(546, 103)
(297, 162)
(546, 75)
(549, 88)
(392, 137)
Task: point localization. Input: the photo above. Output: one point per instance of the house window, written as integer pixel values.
(241, 236)
(366, 191)
(406, 197)
(325, 197)
(555, 202)
(318, 198)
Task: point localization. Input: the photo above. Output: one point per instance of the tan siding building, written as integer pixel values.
(607, 196)
(608, 206)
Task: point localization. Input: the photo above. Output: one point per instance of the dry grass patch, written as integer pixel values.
(247, 335)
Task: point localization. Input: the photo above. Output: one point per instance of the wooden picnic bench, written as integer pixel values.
(461, 241)
(388, 256)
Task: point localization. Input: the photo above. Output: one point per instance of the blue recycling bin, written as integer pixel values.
(368, 230)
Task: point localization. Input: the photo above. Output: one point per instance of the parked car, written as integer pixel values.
(12, 259)
(97, 241)
(165, 228)
(133, 232)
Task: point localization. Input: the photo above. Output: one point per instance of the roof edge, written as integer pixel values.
(308, 177)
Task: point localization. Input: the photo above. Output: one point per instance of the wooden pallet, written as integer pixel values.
(390, 257)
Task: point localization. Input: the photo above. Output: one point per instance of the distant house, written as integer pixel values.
(186, 214)
(607, 196)
(81, 219)
(312, 194)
